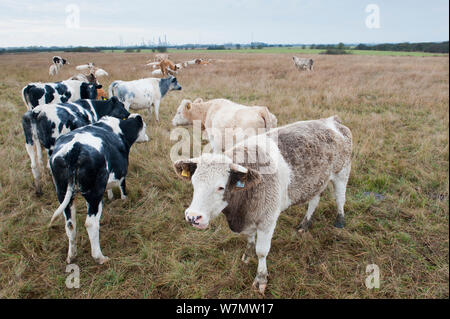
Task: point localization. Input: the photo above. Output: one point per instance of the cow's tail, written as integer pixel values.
(111, 90)
(71, 171)
(33, 147)
(63, 206)
(25, 97)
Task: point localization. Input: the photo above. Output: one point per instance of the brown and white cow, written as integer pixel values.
(270, 172)
(223, 119)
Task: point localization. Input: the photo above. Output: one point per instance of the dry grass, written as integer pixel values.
(397, 109)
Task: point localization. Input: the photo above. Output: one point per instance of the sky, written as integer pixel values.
(109, 23)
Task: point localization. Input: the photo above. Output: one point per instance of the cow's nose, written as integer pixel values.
(193, 219)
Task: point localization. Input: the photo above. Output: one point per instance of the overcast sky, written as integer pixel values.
(25, 23)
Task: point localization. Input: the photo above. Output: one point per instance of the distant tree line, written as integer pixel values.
(432, 47)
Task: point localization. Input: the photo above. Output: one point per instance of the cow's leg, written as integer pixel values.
(157, 110)
(39, 151)
(306, 222)
(123, 191)
(93, 226)
(49, 154)
(340, 186)
(71, 231)
(70, 220)
(150, 111)
(264, 237)
(110, 194)
(34, 168)
(250, 250)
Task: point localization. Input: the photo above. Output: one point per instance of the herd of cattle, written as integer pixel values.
(265, 171)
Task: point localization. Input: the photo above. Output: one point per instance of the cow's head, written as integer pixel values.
(215, 179)
(183, 115)
(173, 84)
(89, 90)
(140, 126)
(117, 108)
(185, 111)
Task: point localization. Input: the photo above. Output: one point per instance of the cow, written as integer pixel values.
(91, 78)
(45, 123)
(303, 64)
(270, 172)
(92, 159)
(168, 67)
(96, 71)
(223, 119)
(58, 63)
(35, 94)
(143, 93)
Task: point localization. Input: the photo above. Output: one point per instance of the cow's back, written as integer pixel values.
(315, 151)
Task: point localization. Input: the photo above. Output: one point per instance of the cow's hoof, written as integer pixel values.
(260, 283)
(110, 194)
(123, 197)
(38, 192)
(70, 259)
(259, 287)
(340, 222)
(102, 260)
(304, 226)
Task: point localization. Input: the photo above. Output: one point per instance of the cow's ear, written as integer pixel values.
(185, 168)
(242, 178)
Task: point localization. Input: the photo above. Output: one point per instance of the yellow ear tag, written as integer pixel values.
(185, 173)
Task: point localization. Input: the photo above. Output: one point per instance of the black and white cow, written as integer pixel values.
(58, 63)
(38, 93)
(143, 93)
(45, 123)
(92, 159)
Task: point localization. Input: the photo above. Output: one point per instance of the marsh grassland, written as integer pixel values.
(398, 110)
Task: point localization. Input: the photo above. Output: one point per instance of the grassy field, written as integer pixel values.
(289, 50)
(398, 111)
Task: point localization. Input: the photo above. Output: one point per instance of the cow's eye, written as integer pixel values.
(220, 188)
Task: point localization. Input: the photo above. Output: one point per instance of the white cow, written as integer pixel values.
(143, 93)
(225, 120)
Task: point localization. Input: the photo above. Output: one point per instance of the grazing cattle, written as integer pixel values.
(45, 123)
(143, 93)
(35, 94)
(58, 63)
(93, 70)
(223, 119)
(303, 64)
(92, 159)
(90, 78)
(286, 166)
(168, 67)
